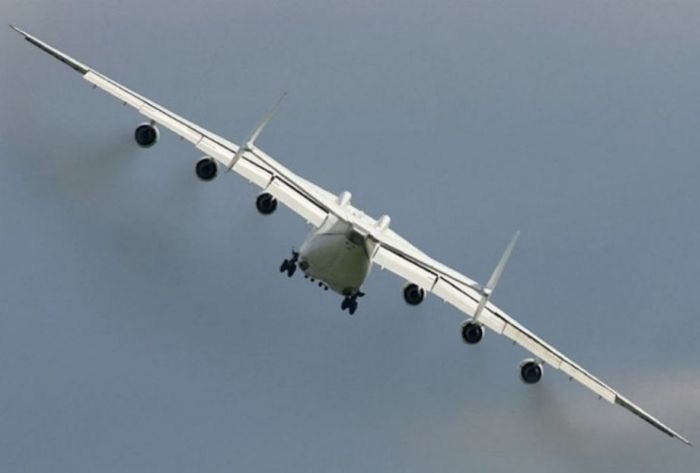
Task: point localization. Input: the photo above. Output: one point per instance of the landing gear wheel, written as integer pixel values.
(350, 303)
(290, 265)
(291, 269)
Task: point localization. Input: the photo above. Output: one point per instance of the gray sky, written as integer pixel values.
(145, 327)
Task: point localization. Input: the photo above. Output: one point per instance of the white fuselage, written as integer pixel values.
(336, 255)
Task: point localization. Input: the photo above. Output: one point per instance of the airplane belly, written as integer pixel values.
(332, 258)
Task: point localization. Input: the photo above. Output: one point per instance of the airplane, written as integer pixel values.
(345, 243)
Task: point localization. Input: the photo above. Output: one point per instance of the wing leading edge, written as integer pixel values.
(314, 204)
(306, 199)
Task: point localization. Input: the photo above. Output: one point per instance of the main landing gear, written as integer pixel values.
(350, 302)
(290, 265)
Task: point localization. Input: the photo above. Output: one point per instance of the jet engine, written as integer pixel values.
(206, 169)
(472, 332)
(530, 371)
(266, 203)
(412, 294)
(146, 135)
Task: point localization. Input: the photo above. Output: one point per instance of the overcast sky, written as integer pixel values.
(144, 326)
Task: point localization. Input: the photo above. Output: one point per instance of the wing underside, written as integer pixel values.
(306, 199)
(461, 292)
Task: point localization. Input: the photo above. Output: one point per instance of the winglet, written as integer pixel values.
(487, 290)
(250, 142)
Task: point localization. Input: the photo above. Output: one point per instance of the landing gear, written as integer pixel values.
(290, 265)
(350, 302)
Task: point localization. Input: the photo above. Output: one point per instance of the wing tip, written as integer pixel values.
(64, 58)
(642, 414)
(19, 30)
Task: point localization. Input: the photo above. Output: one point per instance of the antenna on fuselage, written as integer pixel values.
(249, 144)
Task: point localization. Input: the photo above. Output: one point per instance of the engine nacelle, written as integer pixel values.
(146, 135)
(530, 371)
(412, 294)
(472, 333)
(266, 203)
(206, 169)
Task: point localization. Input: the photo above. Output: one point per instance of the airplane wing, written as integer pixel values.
(405, 260)
(314, 203)
(306, 199)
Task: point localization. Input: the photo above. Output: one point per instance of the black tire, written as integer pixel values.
(284, 266)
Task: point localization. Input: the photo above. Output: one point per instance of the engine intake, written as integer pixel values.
(472, 333)
(206, 169)
(146, 135)
(266, 203)
(413, 295)
(530, 371)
